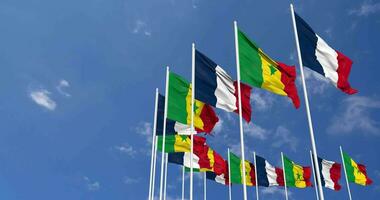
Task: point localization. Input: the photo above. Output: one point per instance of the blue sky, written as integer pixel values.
(78, 80)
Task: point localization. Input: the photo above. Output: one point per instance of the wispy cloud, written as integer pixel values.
(274, 190)
(365, 9)
(316, 83)
(126, 149)
(255, 131)
(145, 129)
(91, 185)
(61, 86)
(140, 27)
(219, 126)
(130, 180)
(356, 115)
(283, 137)
(41, 97)
(262, 100)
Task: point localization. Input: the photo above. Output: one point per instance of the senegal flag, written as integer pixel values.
(356, 173)
(296, 175)
(179, 106)
(236, 169)
(179, 143)
(259, 70)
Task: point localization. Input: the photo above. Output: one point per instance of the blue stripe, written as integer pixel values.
(205, 79)
(211, 175)
(176, 158)
(320, 170)
(262, 177)
(160, 118)
(308, 45)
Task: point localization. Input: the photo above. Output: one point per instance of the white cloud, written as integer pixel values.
(219, 126)
(130, 180)
(255, 131)
(141, 27)
(41, 97)
(126, 149)
(283, 137)
(356, 115)
(60, 87)
(145, 129)
(262, 100)
(316, 83)
(365, 9)
(274, 190)
(91, 185)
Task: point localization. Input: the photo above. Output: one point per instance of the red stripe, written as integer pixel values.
(344, 68)
(219, 165)
(363, 170)
(245, 100)
(209, 119)
(335, 175)
(307, 175)
(252, 174)
(288, 78)
(280, 176)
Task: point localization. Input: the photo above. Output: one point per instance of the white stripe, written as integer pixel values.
(225, 90)
(326, 166)
(328, 58)
(271, 174)
(220, 179)
(183, 129)
(186, 160)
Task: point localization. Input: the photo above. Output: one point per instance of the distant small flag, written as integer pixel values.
(330, 171)
(183, 158)
(215, 87)
(356, 173)
(236, 171)
(180, 143)
(320, 57)
(222, 178)
(258, 70)
(179, 106)
(267, 175)
(296, 175)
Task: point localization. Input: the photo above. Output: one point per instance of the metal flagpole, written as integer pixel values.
(345, 173)
(256, 179)
(315, 178)
(164, 131)
(192, 117)
(240, 110)
(314, 148)
(183, 182)
(166, 174)
(154, 167)
(153, 146)
(204, 186)
(283, 168)
(229, 176)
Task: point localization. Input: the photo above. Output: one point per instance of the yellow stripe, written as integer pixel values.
(298, 176)
(360, 178)
(210, 155)
(271, 82)
(248, 169)
(182, 143)
(198, 123)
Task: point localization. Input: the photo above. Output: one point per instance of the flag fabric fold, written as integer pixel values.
(180, 143)
(268, 175)
(320, 57)
(296, 175)
(236, 169)
(216, 88)
(222, 178)
(356, 173)
(259, 70)
(330, 172)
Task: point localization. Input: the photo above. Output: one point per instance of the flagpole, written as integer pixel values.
(153, 145)
(314, 148)
(166, 174)
(256, 179)
(183, 182)
(154, 167)
(192, 117)
(204, 186)
(240, 111)
(315, 180)
(229, 176)
(164, 131)
(345, 173)
(283, 168)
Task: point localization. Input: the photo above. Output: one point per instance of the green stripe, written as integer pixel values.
(187, 169)
(349, 168)
(178, 90)
(235, 169)
(169, 144)
(289, 175)
(251, 71)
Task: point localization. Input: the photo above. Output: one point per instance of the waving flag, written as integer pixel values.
(236, 169)
(179, 106)
(320, 57)
(222, 178)
(183, 158)
(330, 171)
(215, 87)
(356, 173)
(259, 70)
(296, 175)
(267, 175)
(180, 143)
